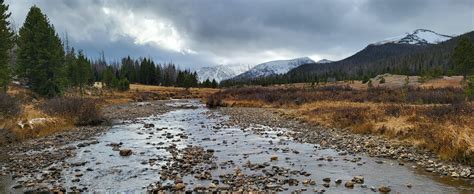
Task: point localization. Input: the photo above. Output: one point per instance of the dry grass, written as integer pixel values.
(140, 93)
(436, 118)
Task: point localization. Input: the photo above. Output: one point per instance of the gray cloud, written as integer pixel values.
(207, 32)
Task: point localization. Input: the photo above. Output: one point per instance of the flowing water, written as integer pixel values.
(106, 171)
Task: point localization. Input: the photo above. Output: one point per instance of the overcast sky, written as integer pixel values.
(196, 33)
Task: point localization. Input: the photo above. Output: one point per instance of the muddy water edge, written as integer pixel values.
(187, 147)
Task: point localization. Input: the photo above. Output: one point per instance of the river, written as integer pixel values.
(260, 157)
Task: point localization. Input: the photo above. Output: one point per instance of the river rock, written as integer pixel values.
(125, 152)
(358, 179)
(349, 184)
(384, 189)
(273, 158)
(180, 186)
(149, 125)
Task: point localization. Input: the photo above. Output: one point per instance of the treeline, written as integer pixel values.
(40, 59)
(453, 57)
(145, 71)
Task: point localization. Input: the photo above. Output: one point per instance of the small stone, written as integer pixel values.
(384, 189)
(349, 184)
(125, 152)
(212, 186)
(429, 169)
(409, 186)
(326, 185)
(17, 186)
(455, 175)
(273, 158)
(338, 181)
(149, 125)
(358, 179)
(179, 186)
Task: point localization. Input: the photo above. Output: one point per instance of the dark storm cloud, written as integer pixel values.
(207, 32)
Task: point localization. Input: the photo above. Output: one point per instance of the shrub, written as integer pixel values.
(123, 85)
(469, 90)
(382, 81)
(214, 101)
(82, 111)
(9, 106)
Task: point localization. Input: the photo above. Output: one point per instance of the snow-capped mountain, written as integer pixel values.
(220, 72)
(273, 68)
(324, 61)
(418, 37)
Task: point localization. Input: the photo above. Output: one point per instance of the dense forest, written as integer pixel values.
(38, 58)
(425, 60)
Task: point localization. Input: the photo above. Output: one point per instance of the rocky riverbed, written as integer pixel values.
(183, 146)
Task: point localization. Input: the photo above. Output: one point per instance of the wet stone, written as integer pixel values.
(125, 152)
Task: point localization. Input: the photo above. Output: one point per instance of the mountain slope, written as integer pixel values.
(418, 37)
(324, 61)
(401, 58)
(273, 68)
(217, 73)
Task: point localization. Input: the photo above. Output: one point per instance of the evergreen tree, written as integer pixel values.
(84, 71)
(206, 83)
(108, 76)
(463, 57)
(6, 44)
(214, 84)
(70, 63)
(128, 69)
(41, 55)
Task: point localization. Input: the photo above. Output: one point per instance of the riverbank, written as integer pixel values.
(347, 142)
(23, 160)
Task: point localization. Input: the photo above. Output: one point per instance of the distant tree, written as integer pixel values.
(108, 77)
(41, 55)
(6, 44)
(84, 72)
(206, 83)
(463, 57)
(123, 84)
(214, 84)
(128, 70)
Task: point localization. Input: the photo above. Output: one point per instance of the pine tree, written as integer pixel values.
(128, 69)
(41, 55)
(108, 76)
(463, 57)
(70, 63)
(84, 71)
(6, 43)
(214, 84)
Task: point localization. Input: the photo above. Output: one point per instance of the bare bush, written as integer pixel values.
(214, 101)
(82, 111)
(300, 96)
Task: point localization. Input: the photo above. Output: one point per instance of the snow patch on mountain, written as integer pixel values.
(418, 37)
(274, 68)
(324, 61)
(220, 72)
